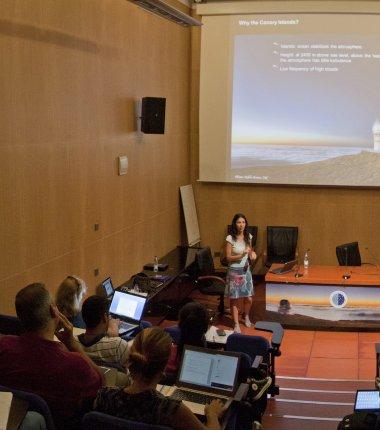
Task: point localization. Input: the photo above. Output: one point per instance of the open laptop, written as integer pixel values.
(128, 308)
(108, 288)
(285, 268)
(367, 401)
(206, 374)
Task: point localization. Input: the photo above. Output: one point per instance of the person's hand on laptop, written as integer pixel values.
(214, 409)
(113, 327)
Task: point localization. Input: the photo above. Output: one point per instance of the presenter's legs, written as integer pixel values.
(247, 308)
(234, 306)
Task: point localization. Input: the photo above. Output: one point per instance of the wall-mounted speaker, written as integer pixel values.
(153, 115)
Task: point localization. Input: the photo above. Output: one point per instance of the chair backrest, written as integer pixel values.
(10, 325)
(251, 345)
(348, 254)
(281, 243)
(252, 229)
(205, 262)
(175, 333)
(36, 403)
(100, 421)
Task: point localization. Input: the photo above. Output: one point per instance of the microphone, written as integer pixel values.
(346, 275)
(298, 274)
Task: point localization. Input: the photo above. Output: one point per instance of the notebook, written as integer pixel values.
(367, 401)
(285, 268)
(108, 288)
(206, 374)
(128, 308)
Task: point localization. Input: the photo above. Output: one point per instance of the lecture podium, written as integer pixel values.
(325, 297)
(166, 301)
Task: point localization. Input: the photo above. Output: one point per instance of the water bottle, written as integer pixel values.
(306, 260)
(155, 264)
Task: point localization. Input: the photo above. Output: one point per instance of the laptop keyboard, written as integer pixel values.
(191, 396)
(124, 326)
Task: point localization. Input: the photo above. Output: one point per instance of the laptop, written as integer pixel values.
(285, 268)
(367, 401)
(128, 308)
(107, 287)
(206, 374)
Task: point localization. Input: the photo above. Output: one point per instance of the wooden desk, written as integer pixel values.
(329, 275)
(323, 298)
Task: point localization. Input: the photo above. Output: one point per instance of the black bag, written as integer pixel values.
(360, 421)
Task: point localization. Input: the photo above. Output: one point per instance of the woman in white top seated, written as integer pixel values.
(239, 253)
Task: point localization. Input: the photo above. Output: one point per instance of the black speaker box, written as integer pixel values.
(153, 115)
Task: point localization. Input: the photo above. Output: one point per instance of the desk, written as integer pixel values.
(165, 301)
(322, 298)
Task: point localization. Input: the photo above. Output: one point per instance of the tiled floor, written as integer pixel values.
(322, 354)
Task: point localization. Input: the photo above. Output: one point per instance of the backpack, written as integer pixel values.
(360, 421)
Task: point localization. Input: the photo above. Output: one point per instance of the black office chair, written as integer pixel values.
(281, 244)
(10, 325)
(348, 254)
(209, 281)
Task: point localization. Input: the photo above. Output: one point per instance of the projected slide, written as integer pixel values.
(291, 99)
(306, 106)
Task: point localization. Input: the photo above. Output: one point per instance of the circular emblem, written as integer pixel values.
(338, 299)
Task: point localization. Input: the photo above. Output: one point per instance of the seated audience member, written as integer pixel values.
(101, 339)
(69, 299)
(141, 401)
(61, 373)
(193, 323)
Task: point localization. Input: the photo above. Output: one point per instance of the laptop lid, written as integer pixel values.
(127, 306)
(209, 370)
(367, 401)
(108, 287)
(289, 265)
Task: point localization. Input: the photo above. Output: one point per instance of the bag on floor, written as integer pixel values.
(360, 421)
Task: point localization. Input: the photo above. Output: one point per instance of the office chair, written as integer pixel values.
(210, 282)
(175, 332)
(10, 325)
(36, 403)
(261, 351)
(348, 254)
(100, 421)
(281, 244)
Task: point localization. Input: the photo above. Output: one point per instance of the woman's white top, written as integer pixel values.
(238, 247)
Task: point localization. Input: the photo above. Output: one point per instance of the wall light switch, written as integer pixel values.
(123, 164)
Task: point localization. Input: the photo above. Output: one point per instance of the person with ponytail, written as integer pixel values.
(141, 401)
(193, 324)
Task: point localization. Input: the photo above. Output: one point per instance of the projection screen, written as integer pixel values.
(291, 97)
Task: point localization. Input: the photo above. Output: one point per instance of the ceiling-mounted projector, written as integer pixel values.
(162, 9)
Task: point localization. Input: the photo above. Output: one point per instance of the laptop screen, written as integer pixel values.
(108, 287)
(367, 401)
(126, 305)
(209, 370)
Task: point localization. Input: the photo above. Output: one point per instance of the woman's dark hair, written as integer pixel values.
(193, 323)
(234, 230)
(149, 353)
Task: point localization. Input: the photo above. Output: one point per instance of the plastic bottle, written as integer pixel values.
(306, 260)
(155, 264)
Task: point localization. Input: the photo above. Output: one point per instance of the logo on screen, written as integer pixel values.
(338, 299)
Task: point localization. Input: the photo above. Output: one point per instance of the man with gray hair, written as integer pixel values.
(60, 372)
